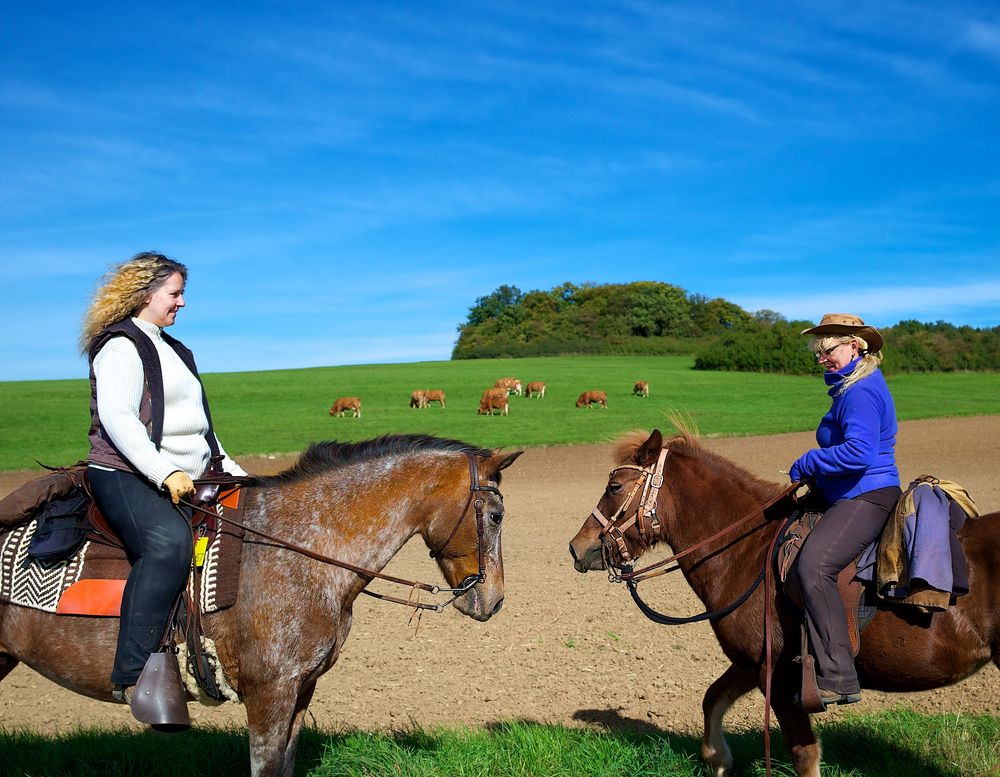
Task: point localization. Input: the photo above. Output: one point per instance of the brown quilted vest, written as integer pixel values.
(102, 450)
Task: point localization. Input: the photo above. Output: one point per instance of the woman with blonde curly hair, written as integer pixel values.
(150, 435)
(856, 482)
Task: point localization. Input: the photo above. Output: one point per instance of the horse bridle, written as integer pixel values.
(467, 583)
(475, 487)
(650, 481)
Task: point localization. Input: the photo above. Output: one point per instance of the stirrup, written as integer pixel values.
(829, 698)
(158, 698)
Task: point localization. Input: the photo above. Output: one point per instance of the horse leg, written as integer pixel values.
(719, 697)
(274, 719)
(796, 728)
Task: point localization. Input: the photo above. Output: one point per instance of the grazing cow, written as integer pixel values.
(434, 395)
(641, 388)
(499, 393)
(599, 397)
(418, 398)
(535, 389)
(491, 402)
(346, 403)
(512, 385)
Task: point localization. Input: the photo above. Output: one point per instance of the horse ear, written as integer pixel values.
(649, 451)
(507, 460)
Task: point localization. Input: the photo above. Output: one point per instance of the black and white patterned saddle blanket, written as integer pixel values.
(92, 581)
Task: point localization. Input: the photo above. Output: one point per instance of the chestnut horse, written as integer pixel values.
(354, 502)
(702, 494)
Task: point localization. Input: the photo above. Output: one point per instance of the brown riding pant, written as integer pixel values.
(847, 528)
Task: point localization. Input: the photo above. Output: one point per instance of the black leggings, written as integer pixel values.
(847, 528)
(157, 538)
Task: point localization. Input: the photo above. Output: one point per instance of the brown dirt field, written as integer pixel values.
(567, 648)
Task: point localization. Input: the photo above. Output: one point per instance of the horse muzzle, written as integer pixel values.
(587, 560)
(482, 601)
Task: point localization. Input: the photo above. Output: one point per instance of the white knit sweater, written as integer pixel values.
(119, 375)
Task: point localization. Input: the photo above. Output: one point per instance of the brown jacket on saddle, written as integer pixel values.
(22, 504)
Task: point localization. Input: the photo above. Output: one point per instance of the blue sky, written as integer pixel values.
(343, 180)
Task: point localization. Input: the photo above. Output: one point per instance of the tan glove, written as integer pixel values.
(179, 484)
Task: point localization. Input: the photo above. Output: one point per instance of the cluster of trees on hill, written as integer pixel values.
(650, 317)
(645, 317)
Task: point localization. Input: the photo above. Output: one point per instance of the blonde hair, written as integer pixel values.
(866, 366)
(124, 290)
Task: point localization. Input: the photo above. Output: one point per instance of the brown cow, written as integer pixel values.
(491, 402)
(346, 403)
(434, 395)
(512, 385)
(600, 397)
(535, 389)
(499, 393)
(641, 388)
(418, 398)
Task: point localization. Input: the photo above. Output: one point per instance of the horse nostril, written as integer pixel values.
(496, 607)
(572, 552)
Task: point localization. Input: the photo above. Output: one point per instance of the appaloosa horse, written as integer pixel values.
(701, 495)
(355, 502)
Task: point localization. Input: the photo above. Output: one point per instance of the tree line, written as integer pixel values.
(651, 317)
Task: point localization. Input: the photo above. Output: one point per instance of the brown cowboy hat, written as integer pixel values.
(846, 324)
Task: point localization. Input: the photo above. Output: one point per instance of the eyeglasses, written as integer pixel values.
(827, 352)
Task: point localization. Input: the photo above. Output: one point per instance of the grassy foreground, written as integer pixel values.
(282, 411)
(887, 744)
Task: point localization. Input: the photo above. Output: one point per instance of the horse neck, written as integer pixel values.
(705, 497)
(360, 513)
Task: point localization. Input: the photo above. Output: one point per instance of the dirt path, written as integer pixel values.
(567, 648)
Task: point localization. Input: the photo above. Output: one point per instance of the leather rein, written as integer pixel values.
(475, 488)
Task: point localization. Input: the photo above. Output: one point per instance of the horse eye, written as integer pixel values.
(495, 518)
(614, 488)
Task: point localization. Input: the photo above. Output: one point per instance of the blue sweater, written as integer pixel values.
(856, 440)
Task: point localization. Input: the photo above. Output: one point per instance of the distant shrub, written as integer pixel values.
(909, 347)
(652, 318)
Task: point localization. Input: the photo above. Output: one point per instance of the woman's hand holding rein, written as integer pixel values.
(179, 484)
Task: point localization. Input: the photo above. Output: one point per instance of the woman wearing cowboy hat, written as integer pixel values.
(854, 474)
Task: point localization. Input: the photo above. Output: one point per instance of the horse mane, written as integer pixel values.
(322, 457)
(687, 443)
(629, 443)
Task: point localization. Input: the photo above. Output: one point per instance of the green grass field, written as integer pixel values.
(282, 411)
(888, 744)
